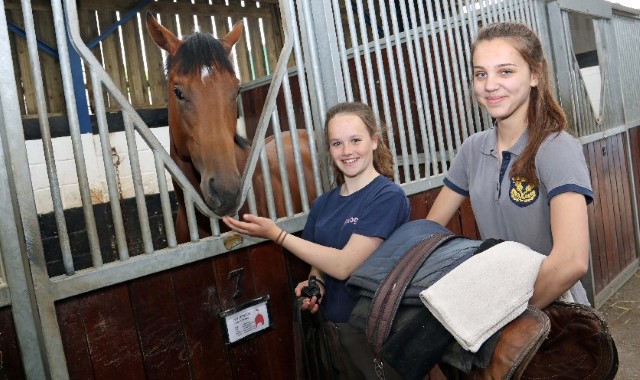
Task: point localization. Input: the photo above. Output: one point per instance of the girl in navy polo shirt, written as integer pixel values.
(346, 224)
(526, 177)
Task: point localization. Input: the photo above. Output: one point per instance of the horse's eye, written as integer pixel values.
(178, 94)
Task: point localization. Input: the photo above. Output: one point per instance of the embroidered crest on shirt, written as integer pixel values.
(521, 192)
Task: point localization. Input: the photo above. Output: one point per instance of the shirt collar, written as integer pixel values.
(489, 146)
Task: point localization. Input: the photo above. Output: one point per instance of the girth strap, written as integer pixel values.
(388, 296)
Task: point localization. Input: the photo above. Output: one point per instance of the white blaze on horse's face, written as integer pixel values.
(205, 71)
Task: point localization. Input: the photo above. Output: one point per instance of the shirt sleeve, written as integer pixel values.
(561, 167)
(388, 210)
(457, 178)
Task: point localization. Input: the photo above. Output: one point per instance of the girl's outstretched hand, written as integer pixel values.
(254, 225)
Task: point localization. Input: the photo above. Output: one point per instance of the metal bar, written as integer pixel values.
(426, 124)
(112, 28)
(192, 223)
(441, 130)
(112, 186)
(373, 102)
(41, 45)
(118, 272)
(141, 204)
(14, 253)
(306, 110)
(45, 132)
(394, 87)
(453, 82)
(342, 48)
(355, 46)
(415, 85)
(165, 203)
(382, 78)
(268, 109)
(295, 143)
(284, 175)
(268, 186)
(405, 94)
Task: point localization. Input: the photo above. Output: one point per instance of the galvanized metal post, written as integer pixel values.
(12, 238)
(322, 60)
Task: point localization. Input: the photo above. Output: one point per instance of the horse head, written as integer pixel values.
(203, 90)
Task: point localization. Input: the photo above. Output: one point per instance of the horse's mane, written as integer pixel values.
(242, 142)
(197, 51)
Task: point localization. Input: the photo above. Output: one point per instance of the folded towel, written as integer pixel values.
(484, 293)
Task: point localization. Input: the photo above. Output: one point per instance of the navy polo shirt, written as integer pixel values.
(376, 210)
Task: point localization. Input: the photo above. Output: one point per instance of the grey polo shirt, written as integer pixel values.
(509, 208)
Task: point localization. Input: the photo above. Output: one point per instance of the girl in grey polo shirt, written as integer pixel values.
(526, 177)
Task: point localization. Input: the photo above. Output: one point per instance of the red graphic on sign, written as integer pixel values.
(259, 319)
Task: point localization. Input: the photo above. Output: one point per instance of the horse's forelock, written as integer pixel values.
(197, 51)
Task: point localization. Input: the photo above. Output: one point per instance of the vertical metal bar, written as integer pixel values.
(382, 78)
(114, 197)
(422, 102)
(355, 46)
(473, 31)
(342, 48)
(14, 241)
(306, 109)
(74, 130)
(444, 157)
(284, 176)
(295, 143)
(136, 176)
(405, 94)
(408, 32)
(45, 132)
(446, 28)
(463, 85)
(191, 217)
(366, 51)
(165, 203)
(268, 186)
(394, 86)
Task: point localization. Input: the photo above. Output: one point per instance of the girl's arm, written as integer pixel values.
(445, 206)
(338, 263)
(569, 257)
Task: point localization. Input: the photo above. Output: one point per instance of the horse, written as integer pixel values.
(204, 143)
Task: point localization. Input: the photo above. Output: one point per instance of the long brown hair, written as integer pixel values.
(544, 116)
(382, 157)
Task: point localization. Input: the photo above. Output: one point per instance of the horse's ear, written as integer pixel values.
(233, 36)
(162, 36)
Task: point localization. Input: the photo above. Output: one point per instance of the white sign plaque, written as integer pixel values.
(247, 321)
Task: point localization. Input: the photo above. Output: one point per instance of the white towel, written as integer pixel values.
(484, 293)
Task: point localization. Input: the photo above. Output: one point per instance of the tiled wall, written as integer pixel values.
(66, 168)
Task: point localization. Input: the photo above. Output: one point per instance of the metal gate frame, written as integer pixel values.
(307, 25)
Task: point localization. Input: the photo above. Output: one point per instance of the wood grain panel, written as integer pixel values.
(74, 339)
(10, 360)
(596, 229)
(197, 295)
(626, 225)
(136, 76)
(158, 324)
(244, 355)
(271, 278)
(111, 335)
(606, 207)
(618, 212)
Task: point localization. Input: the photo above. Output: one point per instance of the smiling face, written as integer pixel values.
(502, 80)
(351, 146)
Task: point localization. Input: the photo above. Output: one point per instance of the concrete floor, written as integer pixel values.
(622, 312)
